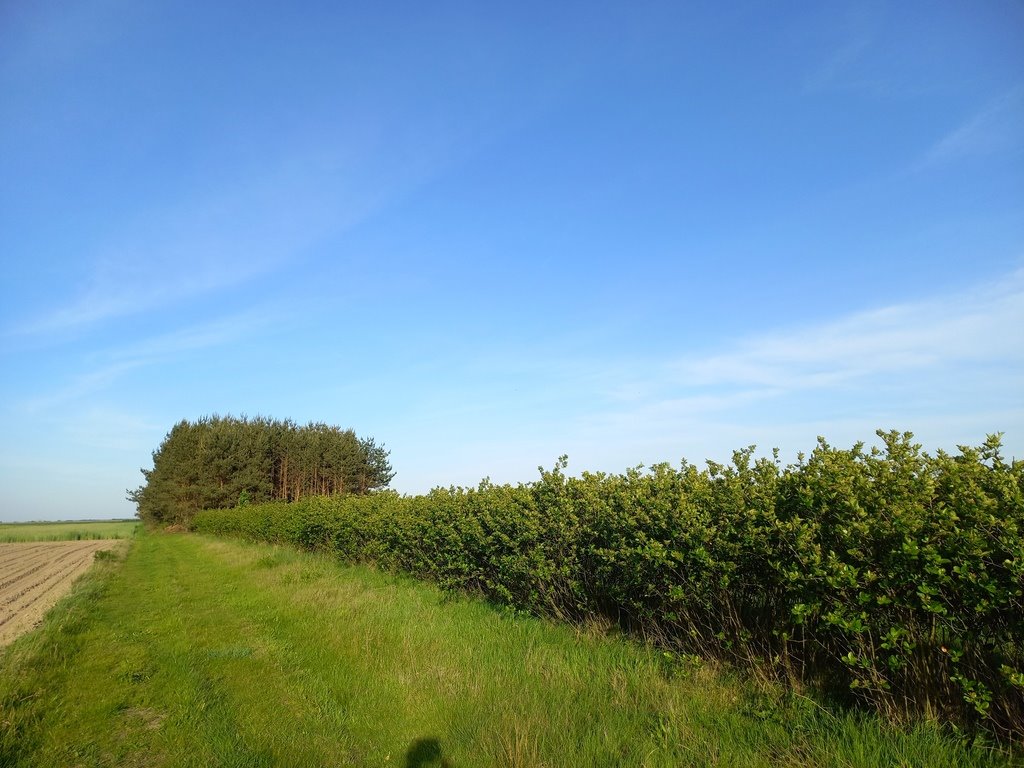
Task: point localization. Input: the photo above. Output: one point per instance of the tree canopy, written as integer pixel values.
(219, 462)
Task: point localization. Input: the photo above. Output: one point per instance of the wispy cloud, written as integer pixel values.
(255, 224)
(846, 66)
(971, 326)
(832, 72)
(996, 127)
(952, 364)
(112, 365)
(81, 385)
(172, 256)
(906, 347)
(949, 367)
(224, 330)
(119, 287)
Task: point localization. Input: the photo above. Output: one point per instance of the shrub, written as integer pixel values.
(894, 574)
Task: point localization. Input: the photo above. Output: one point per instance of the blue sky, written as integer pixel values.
(489, 236)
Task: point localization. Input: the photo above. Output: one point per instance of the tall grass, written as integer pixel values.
(198, 652)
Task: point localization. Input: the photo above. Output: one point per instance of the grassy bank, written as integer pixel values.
(74, 530)
(195, 651)
(885, 575)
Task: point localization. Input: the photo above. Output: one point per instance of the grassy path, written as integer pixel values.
(201, 652)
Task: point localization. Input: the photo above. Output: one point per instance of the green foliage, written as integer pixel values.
(223, 461)
(888, 573)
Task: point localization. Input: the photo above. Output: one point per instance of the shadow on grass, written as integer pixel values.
(426, 753)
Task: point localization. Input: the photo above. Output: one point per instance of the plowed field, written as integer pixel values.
(34, 575)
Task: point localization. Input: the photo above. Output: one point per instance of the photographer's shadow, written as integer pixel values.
(426, 753)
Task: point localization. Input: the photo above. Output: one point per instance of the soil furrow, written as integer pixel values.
(35, 576)
(27, 566)
(14, 558)
(39, 576)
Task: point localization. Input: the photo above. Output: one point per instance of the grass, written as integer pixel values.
(201, 652)
(67, 531)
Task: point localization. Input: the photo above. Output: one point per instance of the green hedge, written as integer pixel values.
(889, 572)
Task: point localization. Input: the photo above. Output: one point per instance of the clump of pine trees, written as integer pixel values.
(219, 462)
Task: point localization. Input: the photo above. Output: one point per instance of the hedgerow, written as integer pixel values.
(886, 572)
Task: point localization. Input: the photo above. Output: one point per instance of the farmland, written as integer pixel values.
(34, 575)
(77, 530)
(193, 650)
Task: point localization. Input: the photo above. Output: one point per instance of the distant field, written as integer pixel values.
(77, 530)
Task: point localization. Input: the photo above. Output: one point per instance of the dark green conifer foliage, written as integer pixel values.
(216, 461)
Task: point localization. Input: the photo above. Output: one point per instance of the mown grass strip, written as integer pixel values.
(67, 531)
(197, 652)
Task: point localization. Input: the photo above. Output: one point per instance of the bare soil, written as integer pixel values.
(35, 575)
